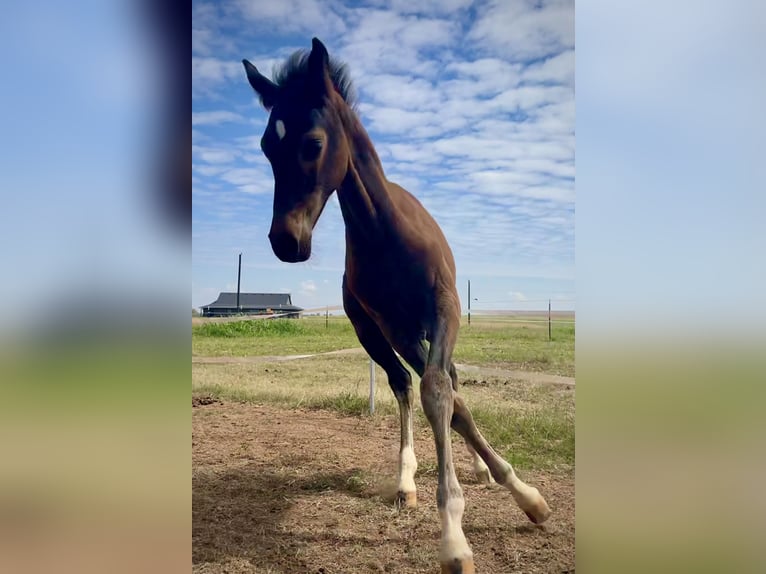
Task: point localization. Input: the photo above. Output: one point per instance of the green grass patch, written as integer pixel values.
(349, 403)
(542, 437)
(251, 328)
(498, 342)
(273, 337)
(517, 346)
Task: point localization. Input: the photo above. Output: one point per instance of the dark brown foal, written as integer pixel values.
(399, 285)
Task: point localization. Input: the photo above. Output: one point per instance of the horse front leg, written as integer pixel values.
(408, 464)
(400, 381)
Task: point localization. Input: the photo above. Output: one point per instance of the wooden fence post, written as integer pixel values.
(372, 386)
(549, 320)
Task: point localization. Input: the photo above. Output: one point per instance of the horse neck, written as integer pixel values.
(364, 197)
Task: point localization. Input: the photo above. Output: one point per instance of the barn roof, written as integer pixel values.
(254, 300)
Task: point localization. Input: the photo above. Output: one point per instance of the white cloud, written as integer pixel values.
(208, 72)
(427, 7)
(307, 16)
(559, 69)
(525, 29)
(215, 117)
(308, 288)
(251, 142)
(209, 170)
(529, 97)
(208, 35)
(517, 296)
(394, 120)
(410, 152)
(483, 77)
(458, 115)
(249, 180)
(382, 41)
(209, 154)
(201, 41)
(399, 90)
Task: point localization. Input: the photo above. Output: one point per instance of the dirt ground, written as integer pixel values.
(282, 491)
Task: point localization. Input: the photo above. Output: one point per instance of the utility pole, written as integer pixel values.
(469, 301)
(239, 276)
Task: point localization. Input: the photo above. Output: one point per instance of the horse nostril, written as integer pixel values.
(285, 246)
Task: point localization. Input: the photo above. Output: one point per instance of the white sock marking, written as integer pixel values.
(524, 495)
(453, 543)
(408, 465)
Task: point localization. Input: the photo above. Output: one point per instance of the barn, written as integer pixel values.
(252, 304)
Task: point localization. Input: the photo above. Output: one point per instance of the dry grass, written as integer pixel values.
(292, 474)
(286, 491)
(532, 424)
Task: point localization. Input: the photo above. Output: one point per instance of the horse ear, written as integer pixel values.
(319, 67)
(266, 89)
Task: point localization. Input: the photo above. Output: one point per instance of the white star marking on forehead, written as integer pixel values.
(280, 127)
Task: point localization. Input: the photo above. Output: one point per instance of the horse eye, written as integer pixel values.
(310, 149)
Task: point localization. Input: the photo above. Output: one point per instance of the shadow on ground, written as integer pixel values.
(238, 516)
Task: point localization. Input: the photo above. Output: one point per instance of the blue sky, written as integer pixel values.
(469, 104)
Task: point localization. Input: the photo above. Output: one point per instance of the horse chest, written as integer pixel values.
(389, 291)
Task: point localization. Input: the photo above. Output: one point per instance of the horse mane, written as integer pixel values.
(292, 75)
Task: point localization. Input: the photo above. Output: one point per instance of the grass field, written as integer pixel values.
(531, 424)
(291, 472)
(498, 341)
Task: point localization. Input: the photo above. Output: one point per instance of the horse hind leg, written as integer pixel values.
(527, 497)
(480, 468)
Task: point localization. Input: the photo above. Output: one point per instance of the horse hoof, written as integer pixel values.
(458, 566)
(407, 499)
(537, 511)
(484, 476)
